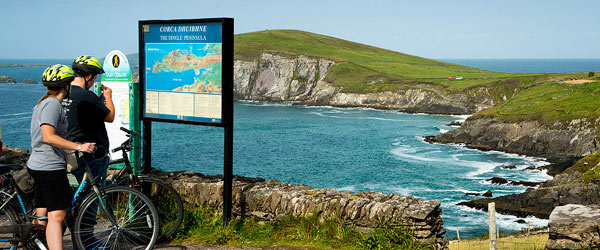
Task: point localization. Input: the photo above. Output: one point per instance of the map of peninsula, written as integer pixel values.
(185, 67)
(175, 61)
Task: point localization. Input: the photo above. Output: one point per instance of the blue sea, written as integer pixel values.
(351, 149)
(531, 65)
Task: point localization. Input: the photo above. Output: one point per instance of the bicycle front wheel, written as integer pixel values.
(123, 218)
(166, 199)
(9, 239)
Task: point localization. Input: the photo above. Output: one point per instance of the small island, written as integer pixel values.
(12, 80)
(16, 65)
(7, 79)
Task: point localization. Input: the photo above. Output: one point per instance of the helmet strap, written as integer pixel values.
(86, 81)
(68, 88)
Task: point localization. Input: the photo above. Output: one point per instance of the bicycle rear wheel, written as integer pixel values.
(127, 219)
(166, 199)
(8, 227)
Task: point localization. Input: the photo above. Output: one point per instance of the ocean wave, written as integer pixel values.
(16, 120)
(462, 118)
(265, 104)
(506, 223)
(480, 166)
(326, 114)
(443, 130)
(458, 190)
(16, 114)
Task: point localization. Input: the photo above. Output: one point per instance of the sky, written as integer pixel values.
(40, 29)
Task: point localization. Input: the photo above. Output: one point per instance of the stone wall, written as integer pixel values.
(270, 200)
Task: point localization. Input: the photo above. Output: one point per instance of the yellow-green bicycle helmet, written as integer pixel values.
(86, 65)
(57, 76)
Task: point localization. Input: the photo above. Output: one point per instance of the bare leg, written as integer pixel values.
(40, 212)
(54, 229)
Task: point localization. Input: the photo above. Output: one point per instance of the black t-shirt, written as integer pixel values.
(86, 117)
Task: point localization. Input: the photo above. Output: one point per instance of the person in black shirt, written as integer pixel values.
(86, 117)
(87, 114)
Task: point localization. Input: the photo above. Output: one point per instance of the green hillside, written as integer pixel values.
(554, 100)
(362, 68)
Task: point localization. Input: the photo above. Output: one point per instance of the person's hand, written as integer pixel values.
(88, 147)
(106, 91)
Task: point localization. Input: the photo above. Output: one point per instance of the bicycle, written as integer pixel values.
(113, 217)
(13, 229)
(160, 193)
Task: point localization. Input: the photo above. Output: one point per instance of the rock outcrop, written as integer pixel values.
(540, 202)
(557, 144)
(574, 227)
(270, 200)
(28, 81)
(7, 79)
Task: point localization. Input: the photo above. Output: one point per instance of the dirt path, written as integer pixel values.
(578, 81)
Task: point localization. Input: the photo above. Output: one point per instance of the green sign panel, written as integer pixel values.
(116, 67)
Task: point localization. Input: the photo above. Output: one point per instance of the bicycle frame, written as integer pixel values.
(27, 218)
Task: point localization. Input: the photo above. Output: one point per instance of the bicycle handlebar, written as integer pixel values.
(127, 144)
(129, 131)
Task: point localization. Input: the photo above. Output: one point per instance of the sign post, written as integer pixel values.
(117, 76)
(186, 76)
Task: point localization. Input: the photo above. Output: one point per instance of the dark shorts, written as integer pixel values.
(51, 189)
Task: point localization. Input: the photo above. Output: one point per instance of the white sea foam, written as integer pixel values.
(462, 118)
(508, 222)
(443, 130)
(401, 190)
(14, 120)
(17, 114)
(481, 167)
(265, 104)
(459, 190)
(350, 188)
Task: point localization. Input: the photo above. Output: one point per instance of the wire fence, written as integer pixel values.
(512, 244)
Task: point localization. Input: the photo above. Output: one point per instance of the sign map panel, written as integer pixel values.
(183, 71)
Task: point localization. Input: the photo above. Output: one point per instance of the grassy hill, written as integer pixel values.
(359, 64)
(553, 99)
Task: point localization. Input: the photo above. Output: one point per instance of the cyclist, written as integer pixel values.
(87, 114)
(47, 164)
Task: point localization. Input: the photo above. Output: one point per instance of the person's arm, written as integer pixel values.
(107, 92)
(50, 137)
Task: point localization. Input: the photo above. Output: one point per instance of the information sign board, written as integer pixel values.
(117, 76)
(181, 69)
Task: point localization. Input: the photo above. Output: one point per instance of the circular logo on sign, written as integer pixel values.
(116, 61)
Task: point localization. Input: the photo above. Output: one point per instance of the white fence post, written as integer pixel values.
(492, 220)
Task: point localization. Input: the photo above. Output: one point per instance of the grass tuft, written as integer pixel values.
(202, 226)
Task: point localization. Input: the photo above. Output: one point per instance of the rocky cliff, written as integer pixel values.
(574, 227)
(301, 79)
(559, 144)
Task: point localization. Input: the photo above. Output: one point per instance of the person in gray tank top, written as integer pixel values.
(47, 164)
